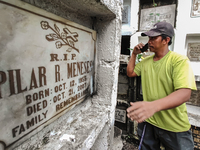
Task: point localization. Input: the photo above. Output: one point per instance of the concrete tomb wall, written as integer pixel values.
(58, 78)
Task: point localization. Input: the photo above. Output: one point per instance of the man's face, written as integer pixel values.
(155, 43)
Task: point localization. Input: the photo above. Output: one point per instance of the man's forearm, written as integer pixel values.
(143, 110)
(173, 100)
(131, 65)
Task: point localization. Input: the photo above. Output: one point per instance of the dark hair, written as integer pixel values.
(165, 36)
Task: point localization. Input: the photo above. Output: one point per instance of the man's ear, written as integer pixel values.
(167, 40)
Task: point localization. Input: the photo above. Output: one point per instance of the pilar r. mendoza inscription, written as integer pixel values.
(46, 68)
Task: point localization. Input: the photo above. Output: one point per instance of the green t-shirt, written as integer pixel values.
(161, 78)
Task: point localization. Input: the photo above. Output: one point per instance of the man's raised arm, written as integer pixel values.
(131, 64)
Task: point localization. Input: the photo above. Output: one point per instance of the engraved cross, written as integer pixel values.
(71, 35)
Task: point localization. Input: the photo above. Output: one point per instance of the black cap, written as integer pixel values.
(160, 28)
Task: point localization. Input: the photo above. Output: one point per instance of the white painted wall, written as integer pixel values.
(185, 25)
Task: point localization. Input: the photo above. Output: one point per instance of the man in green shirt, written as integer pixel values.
(167, 81)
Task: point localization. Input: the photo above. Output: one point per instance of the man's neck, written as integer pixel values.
(160, 54)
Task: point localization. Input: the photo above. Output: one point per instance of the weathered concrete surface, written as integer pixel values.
(117, 143)
(194, 115)
(195, 96)
(82, 12)
(193, 107)
(77, 130)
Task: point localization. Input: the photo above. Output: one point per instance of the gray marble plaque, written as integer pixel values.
(195, 10)
(46, 68)
(150, 16)
(193, 51)
(120, 115)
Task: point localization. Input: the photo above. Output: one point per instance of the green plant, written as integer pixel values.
(154, 4)
(139, 56)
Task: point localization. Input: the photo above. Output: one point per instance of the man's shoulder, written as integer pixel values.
(175, 57)
(147, 58)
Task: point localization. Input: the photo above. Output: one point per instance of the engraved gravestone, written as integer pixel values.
(150, 16)
(46, 68)
(195, 9)
(193, 51)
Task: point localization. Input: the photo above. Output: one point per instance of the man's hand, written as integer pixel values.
(140, 111)
(137, 48)
(131, 64)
